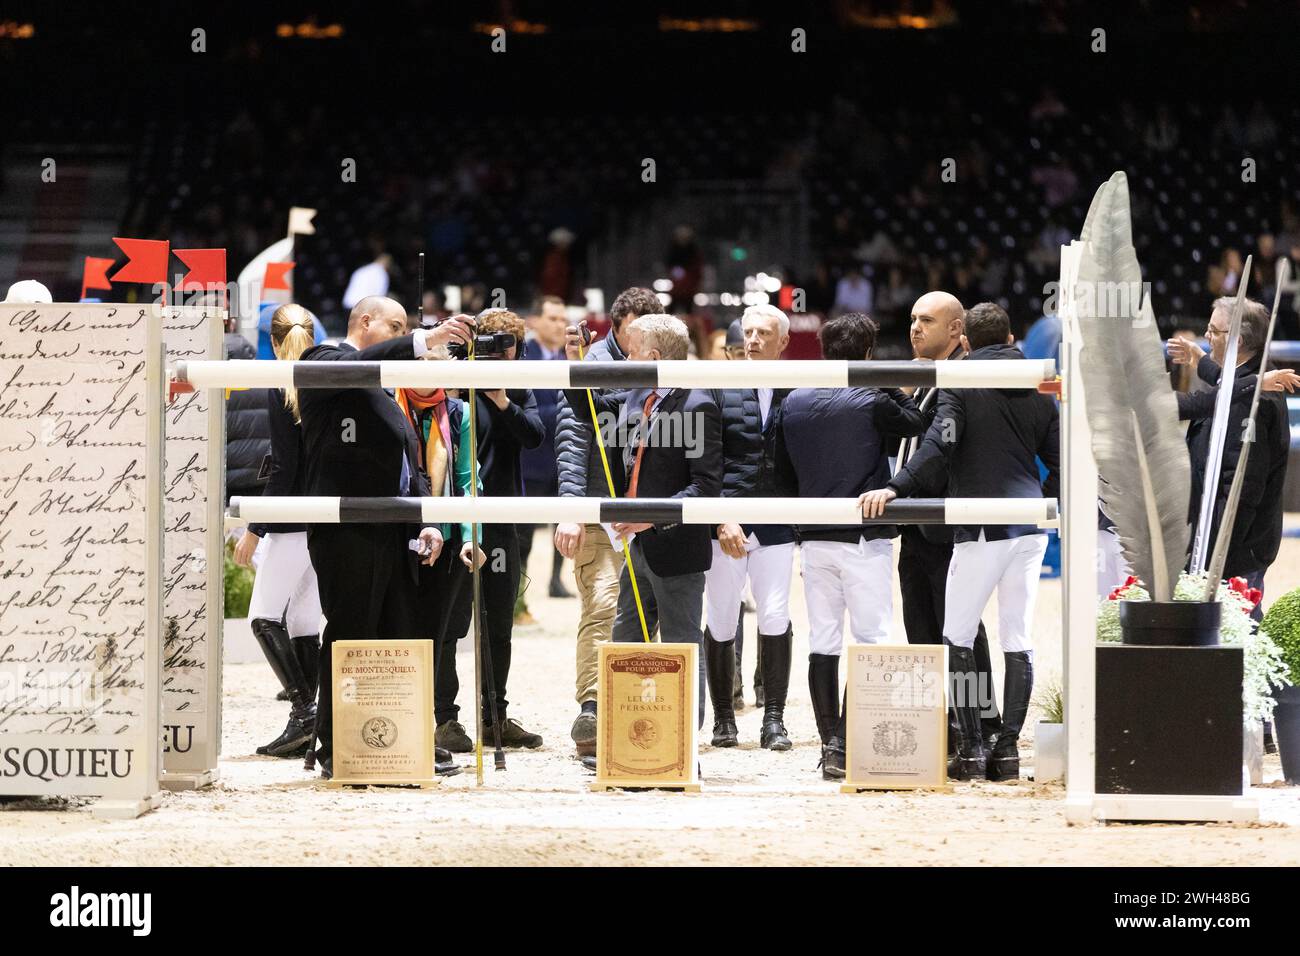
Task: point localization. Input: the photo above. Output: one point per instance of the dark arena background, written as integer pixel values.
(825, 158)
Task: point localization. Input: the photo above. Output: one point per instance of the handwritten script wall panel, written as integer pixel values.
(189, 334)
(72, 545)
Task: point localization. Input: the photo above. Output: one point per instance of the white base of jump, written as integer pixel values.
(1168, 808)
(125, 809)
(188, 780)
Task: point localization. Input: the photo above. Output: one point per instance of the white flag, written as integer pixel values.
(300, 221)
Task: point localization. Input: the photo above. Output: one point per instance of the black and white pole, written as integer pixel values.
(1018, 373)
(1041, 512)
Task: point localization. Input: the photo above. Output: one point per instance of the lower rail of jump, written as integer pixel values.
(824, 511)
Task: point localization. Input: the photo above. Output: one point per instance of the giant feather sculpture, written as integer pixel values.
(1132, 411)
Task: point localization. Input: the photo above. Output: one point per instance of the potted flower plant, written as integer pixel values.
(1264, 670)
(1049, 733)
(1282, 625)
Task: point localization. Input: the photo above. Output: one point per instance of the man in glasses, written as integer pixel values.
(760, 555)
(1257, 532)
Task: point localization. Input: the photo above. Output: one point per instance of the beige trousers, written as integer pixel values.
(595, 568)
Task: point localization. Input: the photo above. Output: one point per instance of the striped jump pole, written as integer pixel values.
(431, 373)
(1041, 512)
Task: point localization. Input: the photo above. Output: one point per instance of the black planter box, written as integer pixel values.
(1169, 720)
(1286, 726)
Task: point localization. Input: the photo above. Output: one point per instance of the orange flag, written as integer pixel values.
(275, 276)
(95, 274)
(207, 268)
(146, 260)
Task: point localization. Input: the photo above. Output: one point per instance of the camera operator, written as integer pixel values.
(508, 423)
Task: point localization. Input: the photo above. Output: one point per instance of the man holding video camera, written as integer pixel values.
(357, 442)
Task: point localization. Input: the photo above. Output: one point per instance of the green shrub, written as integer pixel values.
(1282, 624)
(238, 585)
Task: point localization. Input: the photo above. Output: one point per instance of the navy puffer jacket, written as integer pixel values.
(248, 441)
(749, 453)
(742, 441)
(577, 458)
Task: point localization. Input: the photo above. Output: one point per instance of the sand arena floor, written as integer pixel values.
(757, 807)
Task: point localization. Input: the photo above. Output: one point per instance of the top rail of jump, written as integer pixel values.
(800, 373)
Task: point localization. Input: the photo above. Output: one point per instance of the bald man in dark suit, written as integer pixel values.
(357, 442)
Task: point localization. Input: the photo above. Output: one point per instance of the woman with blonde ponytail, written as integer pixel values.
(285, 610)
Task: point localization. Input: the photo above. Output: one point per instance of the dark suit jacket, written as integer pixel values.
(669, 469)
(1257, 533)
(285, 478)
(503, 436)
(538, 462)
(248, 441)
(354, 439)
(986, 441)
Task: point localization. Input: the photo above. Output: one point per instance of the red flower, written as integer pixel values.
(1128, 583)
(1252, 595)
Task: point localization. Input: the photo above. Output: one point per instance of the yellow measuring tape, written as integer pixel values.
(609, 479)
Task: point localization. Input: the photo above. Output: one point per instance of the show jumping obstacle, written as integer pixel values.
(1076, 517)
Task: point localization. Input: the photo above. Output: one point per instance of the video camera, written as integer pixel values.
(483, 346)
(490, 345)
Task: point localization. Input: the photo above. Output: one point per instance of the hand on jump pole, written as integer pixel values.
(873, 502)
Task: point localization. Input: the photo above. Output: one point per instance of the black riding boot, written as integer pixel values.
(307, 647)
(720, 668)
(760, 692)
(1017, 688)
(990, 719)
(824, 688)
(774, 652)
(283, 658)
(738, 684)
(970, 758)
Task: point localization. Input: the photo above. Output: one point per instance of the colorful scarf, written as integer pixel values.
(437, 440)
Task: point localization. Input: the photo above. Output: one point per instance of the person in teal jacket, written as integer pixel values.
(447, 463)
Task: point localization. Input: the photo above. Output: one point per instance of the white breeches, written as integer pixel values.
(1013, 567)
(767, 567)
(859, 578)
(285, 586)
